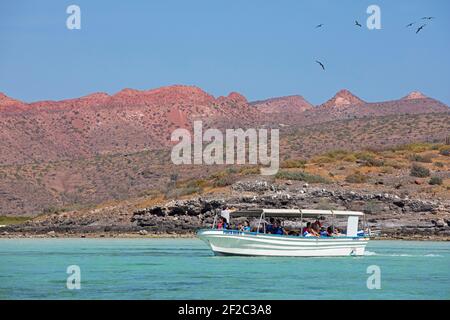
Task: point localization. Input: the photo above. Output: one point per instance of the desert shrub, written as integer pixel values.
(250, 171)
(435, 147)
(232, 170)
(322, 160)
(340, 155)
(445, 151)
(228, 172)
(224, 181)
(394, 164)
(414, 147)
(200, 183)
(288, 164)
(301, 176)
(426, 158)
(349, 158)
(439, 164)
(374, 162)
(356, 177)
(333, 156)
(419, 171)
(436, 181)
(365, 156)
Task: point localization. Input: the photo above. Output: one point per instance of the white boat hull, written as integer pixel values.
(223, 242)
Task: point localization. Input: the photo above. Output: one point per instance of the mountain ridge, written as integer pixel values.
(342, 98)
(134, 120)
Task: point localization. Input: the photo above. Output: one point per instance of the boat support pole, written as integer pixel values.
(366, 226)
(260, 220)
(332, 221)
(214, 222)
(301, 223)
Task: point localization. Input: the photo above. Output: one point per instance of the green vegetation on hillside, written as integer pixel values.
(8, 220)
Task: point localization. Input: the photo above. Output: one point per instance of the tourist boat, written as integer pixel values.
(233, 242)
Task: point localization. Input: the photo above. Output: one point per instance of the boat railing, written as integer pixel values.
(238, 232)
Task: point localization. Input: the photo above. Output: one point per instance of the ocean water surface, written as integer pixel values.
(186, 269)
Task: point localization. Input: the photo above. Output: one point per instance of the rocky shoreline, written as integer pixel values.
(140, 235)
(393, 216)
(94, 235)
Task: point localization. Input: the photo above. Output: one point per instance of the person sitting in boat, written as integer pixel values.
(222, 224)
(310, 232)
(269, 226)
(330, 232)
(318, 223)
(278, 229)
(337, 232)
(225, 223)
(305, 230)
(316, 227)
(246, 227)
(324, 232)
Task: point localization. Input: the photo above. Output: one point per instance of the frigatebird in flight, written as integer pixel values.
(357, 23)
(321, 64)
(427, 18)
(410, 24)
(319, 26)
(420, 28)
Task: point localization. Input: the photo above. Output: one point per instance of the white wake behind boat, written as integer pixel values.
(233, 242)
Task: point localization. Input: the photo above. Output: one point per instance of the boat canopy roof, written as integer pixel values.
(294, 212)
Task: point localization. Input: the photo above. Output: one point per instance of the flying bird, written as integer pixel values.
(410, 25)
(319, 26)
(357, 23)
(321, 64)
(427, 18)
(420, 28)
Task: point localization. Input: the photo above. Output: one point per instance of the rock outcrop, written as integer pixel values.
(289, 105)
(388, 213)
(341, 99)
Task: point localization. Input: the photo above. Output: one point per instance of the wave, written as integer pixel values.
(413, 255)
(429, 255)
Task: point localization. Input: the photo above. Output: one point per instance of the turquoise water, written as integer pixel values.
(186, 269)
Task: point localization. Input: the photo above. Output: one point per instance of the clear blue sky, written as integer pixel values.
(258, 48)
